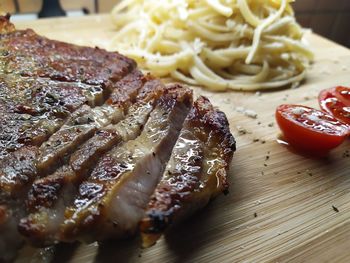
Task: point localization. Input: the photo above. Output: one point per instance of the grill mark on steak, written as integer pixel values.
(111, 200)
(87, 155)
(29, 61)
(30, 128)
(125, 91)
(18, 130)
(79, 127)
(84, 122)
(39, 96)
(133, 88)
(17, 171)
(31, 110)
(195, 173)
(106, 138)
(49, 196)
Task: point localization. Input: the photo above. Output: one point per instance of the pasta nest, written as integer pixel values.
(220, 45)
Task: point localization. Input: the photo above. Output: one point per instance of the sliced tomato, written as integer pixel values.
(309, 129)
(336, 101)
(343, 94)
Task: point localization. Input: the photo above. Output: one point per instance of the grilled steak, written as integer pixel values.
(195, 173)
(49, 196)
(93, 149)
(111, 201)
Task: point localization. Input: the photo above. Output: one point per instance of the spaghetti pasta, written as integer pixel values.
(218, 44)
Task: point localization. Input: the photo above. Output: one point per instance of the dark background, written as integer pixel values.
(329, 18)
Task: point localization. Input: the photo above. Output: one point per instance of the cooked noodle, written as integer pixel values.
(218, 44)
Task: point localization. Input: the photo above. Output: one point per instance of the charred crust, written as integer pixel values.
(27, 228)
(215, 121)
(125, 91)
(176, 93)
(35, 231)
(152, 89)
(211, 128)
(45, 192)
(18, 170)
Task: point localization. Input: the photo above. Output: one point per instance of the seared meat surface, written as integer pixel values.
(195, 173)
(93, 149)
(111, 201)
(33, 109)
(79, 127)
(60, 61)
(49, 196)
(18, 170)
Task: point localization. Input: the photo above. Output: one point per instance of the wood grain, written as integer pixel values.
(279, 208)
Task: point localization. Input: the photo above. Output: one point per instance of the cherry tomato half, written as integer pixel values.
(336, 101)
(309, 129)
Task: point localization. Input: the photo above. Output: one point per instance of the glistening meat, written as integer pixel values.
(93, 149)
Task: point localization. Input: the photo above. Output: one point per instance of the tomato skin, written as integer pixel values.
(343, 94)
(336, 101)
(309, 129)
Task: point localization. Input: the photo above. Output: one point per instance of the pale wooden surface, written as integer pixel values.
(291, 195)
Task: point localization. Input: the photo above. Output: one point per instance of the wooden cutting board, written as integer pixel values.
(280, 204)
